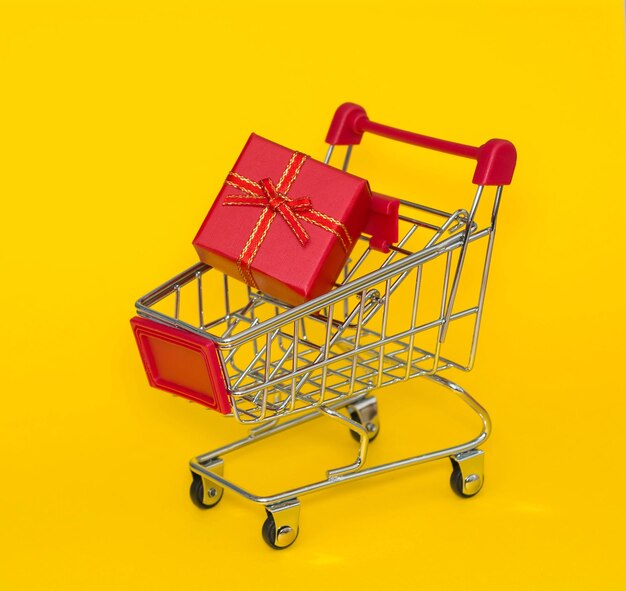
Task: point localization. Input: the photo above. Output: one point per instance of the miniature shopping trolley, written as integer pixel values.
(400, 311)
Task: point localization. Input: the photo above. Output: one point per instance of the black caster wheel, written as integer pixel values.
(456, 482)
(285, 538)
(196, 492)
(372, 434)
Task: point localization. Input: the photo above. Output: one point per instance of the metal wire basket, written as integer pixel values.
(412, 311)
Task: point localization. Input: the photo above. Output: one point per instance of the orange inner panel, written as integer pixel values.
(180, 368)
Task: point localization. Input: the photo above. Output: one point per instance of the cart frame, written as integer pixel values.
(290, 378)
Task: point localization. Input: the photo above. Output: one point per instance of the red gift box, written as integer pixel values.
(283, 222)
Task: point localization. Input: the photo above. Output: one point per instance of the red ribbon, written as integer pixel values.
(274, 201)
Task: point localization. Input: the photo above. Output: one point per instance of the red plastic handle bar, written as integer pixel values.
(495, 159)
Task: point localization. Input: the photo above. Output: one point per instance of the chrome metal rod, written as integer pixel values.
(294, 366)
(200, 301)
(177, 302)
(226, 296)
(357, 338)
(416, 295)
(383, 333)
(483, 285)
(348, 354)
(197, 466)
(329, 325)
(165, 289)
(329, 153)
(261, 432)
(460, 263)
(346, 160)
(363, 443)
(312, 306)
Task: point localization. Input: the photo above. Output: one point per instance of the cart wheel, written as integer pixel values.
(365, 412)
(456, 482)
(285, 537)
(371, 431)
(199, 499)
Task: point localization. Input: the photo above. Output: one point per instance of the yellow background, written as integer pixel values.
(119, 122)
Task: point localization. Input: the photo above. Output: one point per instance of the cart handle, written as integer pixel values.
(495, 159)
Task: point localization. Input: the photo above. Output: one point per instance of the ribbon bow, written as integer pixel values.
(274, 201)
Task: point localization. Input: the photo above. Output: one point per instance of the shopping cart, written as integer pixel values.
(390, 318)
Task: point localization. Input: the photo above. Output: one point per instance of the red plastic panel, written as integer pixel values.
(382, 224)
(182, 363)
(496, 163)
(345, 129)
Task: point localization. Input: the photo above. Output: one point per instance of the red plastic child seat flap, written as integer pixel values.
(182, 363)
(382, 224)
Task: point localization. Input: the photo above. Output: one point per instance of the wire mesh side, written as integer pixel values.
(279, 361)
